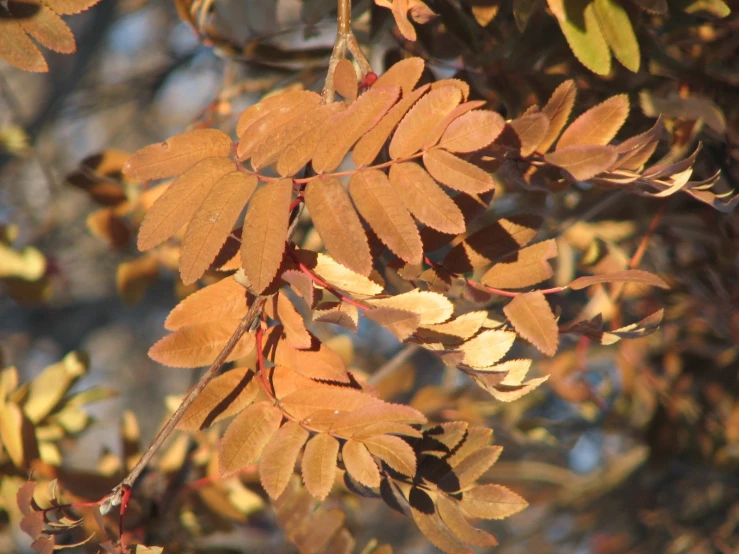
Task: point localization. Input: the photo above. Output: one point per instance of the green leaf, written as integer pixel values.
(619, 34)
(580, 26)
(714, 7)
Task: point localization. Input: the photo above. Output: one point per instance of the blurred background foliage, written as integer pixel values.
(628, 448)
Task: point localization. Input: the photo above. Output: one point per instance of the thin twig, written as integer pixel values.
(345, 40)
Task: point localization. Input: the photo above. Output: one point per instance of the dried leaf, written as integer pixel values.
(422, 119)
(598, 125)
(247, 435)
(223, 300)
(265, 232)
(625, 276)
(405, 74)
(454, 518)
(345, 79)
(487, 348)
(432, 307)
(492, 502)
(401, 323)
(177, 154)
(338, 224)
(525, 268)
(278, 459)
(376, 201)
(198, 344)
(457, 173)
(533, 319)
(223, 397)
(472, 131)
(360, 464)
(558, 111)
(207, 231)
(179, 203)
(319, 465)
(394, 451)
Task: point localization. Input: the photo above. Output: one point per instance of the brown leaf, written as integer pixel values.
(492, 241)
(207, 231)
(220, 301)
(475, 439)
(457, 173)
(492, 502)
(470, 469)
(265, 232)
(278, 459)
(430, 524)
(432, 307)
(302, 284)
(558, 111)
(223, 397)
(405, 73)
(44, 25)
(598, 125)
(401, 323)
(376, 201)
(345, 79)
(367, 147)
(70, 7)
(359, 118)
(247, 435)
(435, 136)
(487, 348)
(533, 319)
(319, 465)
(422, 119)
(318, 362)
(394, 451)
(301, 404)
(625, 276)
(339, 313)
(583, 162)
(292, 322)
(179, 203)
(530, 131)
(453, 516)
(17, 48)
(338, 224)
(459, 84)
(425, 199)
(472, 131)
(284, 100)
(360, 464)
(400, 13)
(522, 269)
(177, 154)
(354, 424)
(198, 344)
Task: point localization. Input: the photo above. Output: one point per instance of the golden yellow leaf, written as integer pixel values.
(533, 319)
(279, 456)
(247, 435)
(225, 299)
(319, 465)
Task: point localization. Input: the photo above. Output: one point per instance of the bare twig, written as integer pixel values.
(345, 40)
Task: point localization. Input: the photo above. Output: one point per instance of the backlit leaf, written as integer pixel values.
(625, 276)
(319, 465)
(453, 516)
(273, 103)
(17, 48)
(487, 348)
(225, 299)
(580, 27)
(338, 275)
(472, 131)
(265, 232)
(247, 435)
(44, 25)
(279, 456)
(177, 154)
(405, 73)
(338, 224)
(292, 322)
(207, 231)
(179, 203)
(492, 502)
(558, 111)
(70, 7)
(401, 323)
(432, 307)
(457, 173)
(339, 313)
(533, 319)
(377, 203)
(525, 268)
(616, 27)
(598, 125)
(430, 524)
(394, 451)
(470, 469)
(355, 423)
(318, 362)
(360, 464)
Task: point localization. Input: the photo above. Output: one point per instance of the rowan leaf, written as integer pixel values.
(302, 404)
(302, 284)
(474, 439)
(319, 465)
(394, 451)
(247, 435)
(558, 110)
(359, 118)
(278, 459)
(625, 276)
(345, 79)
(430, 524)
(317, 362)
(339, 313)
(525, 268)
(338, 275)
(181, 200)
(472, 131)
(265, 232)
(405, 74)
(487, 348)
(401, 323)
(453, 516)
(357, 422)
(583, 162)
(17, 48)
(43, 24)
(426, 200)
(422, 119)
(598, 125)
(212, 223)
(360, 464)
(220, 301)
(223, 397)
(399, 9)
(470, 469)
(491, 502)
(435, 136)
(530, 131)
(258, 112)
(431, 307)
(533, 319)
(338, 224)
(376, 202)
(70, 7)
(198, 344)
(177, 154)
(457, 173)
(580, 27)
(458, 329)
(616, 27)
